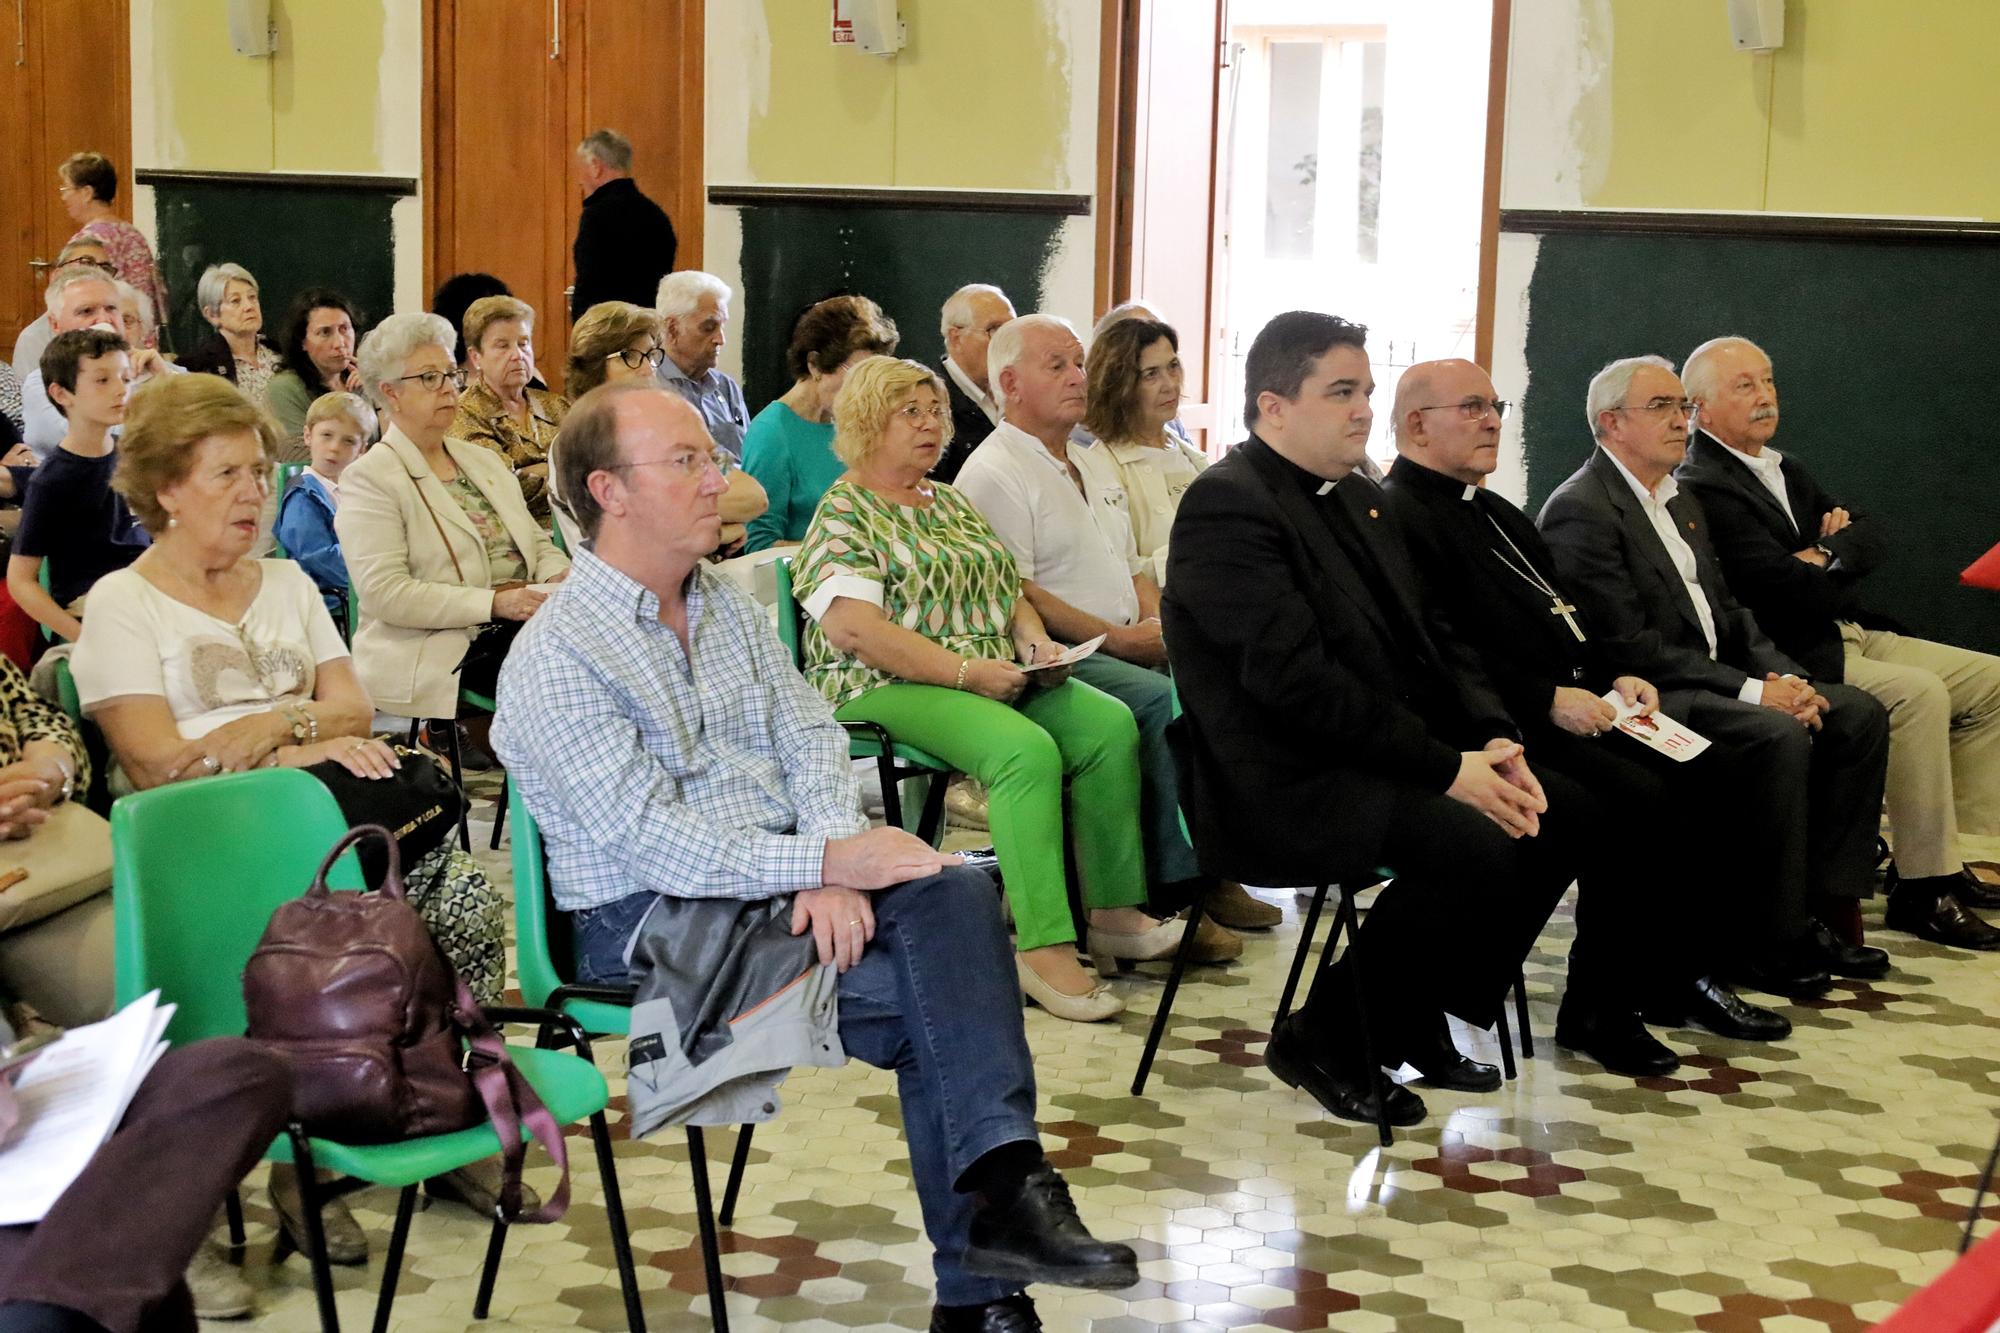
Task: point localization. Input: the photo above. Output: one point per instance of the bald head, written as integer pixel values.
(1446, 420)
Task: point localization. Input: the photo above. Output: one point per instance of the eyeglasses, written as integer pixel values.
(101, 265)
(1662, 407)
(917, 416)
(1474, 409)
(634, 359)
(433, 380)
(688, 464)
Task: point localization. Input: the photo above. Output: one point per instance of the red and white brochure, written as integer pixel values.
(1656, 730)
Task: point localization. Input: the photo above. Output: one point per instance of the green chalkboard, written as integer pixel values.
(289, 236)
(908, 260)
(1881, 349)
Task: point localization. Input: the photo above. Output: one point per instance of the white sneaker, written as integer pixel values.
(218, 1286)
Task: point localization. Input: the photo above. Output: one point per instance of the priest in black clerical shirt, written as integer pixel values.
(1331, 728)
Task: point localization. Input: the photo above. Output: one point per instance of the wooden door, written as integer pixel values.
(65, 87)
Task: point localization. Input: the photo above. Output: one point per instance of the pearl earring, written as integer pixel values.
(173, 522)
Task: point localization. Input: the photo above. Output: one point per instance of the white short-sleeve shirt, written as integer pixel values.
(1077, 545)
(137, 640)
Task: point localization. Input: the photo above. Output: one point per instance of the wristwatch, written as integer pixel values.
(1826, 551)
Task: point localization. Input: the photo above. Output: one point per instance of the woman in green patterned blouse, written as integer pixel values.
(916, 621)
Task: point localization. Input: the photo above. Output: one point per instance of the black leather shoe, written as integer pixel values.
(1615, 1039)
(1009, 1314)
(1344, 1093)
(1939, 917)
(1800, 976)
(1442, 1065)
(1707, 1003)
(1039, 1238)
(1976, 892)
(1843, 959)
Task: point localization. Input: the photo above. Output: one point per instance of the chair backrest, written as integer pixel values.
(97, 796)
(286, 474)
(536, 920)
(788, 610)
(197, 868)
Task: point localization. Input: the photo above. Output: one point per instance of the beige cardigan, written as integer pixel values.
(1150, 506)
(417, 614)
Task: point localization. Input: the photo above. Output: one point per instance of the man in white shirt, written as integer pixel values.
(1635, 555)
(971, 316)
(78, 298)
(1062, 516)
(1797, 558)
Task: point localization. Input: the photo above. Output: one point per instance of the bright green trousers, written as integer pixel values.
(1023, 753)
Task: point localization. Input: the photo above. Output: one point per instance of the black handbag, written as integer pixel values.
(479, 669)
(419, 803)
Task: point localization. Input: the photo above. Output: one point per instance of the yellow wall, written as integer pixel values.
(1867, 108)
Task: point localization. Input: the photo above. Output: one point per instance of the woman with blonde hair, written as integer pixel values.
(916, 620)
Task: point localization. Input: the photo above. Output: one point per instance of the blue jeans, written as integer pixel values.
(1150, 696)
(934, 998)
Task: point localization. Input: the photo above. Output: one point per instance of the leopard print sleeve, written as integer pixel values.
(25, 716)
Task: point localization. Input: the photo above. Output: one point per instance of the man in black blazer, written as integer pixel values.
(971, 316)
(1796, 556)
(1330, 728)
(1644, 921)
(624, 241)
(1634, 552)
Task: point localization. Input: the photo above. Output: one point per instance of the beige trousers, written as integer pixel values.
(1944, 742)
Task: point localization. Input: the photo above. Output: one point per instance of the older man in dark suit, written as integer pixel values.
(971, 316)
(1797, 557)
(1331, 726)
(1635, 554)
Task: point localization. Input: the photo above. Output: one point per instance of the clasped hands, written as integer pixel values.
(839, 913)
(1789, 694)
(1497, 782)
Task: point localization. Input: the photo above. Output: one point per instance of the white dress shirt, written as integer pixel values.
(1078, 548)
(1769, 469)
(976, 392)
(1654, 503)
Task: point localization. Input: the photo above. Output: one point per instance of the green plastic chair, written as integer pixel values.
(97, 796)
(541, 937)
(281, 481)
(896, 763)
(187, 912)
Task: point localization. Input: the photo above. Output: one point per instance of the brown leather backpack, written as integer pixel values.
(353, 992)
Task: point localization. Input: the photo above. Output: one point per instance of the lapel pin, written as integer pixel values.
(1374, 514)
(1690, 525)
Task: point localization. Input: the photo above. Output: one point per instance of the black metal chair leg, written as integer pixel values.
(892, 799)
(1159, 1029)
(737, 1162)
(457, 778)
(621, 1236)
(1346, 918)
(499, 816)
(930, 824)
(489, 1269)
(1306, 934)
(1506, 1043)
(711, 1253)
(392, 1264)
(232, 1208)
(309, 1204)
(1521, 1015)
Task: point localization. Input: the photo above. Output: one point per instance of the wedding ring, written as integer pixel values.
(855, 922)
(209, 760)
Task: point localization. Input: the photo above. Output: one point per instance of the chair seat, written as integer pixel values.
(570, 1085)
(862, 747)
(477, 700)
(600, 1018)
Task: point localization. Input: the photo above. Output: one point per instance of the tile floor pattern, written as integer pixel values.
(1811, 1185)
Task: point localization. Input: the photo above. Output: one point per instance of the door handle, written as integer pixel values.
(39, 264)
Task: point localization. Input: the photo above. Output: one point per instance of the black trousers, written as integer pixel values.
(1810, 804)
(114, 1246)
(1447, 936)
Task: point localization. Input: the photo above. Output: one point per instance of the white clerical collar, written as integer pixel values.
(1471, 492)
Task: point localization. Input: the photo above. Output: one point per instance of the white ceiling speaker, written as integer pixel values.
(1757, 25)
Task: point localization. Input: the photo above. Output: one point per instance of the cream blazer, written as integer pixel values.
(1149, 504)
(417, 613)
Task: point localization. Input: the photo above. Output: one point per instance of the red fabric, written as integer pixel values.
(1983, 572)
(1966, 1299)
(17, 631)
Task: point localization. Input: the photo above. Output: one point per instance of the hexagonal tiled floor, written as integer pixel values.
(1811, 1185)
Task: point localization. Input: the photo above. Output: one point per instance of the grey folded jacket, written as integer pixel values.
(729, 1000)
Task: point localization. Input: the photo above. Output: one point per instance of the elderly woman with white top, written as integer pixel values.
(438, 538)
(1134, 388)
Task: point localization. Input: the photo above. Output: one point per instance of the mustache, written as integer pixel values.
(1764, 414)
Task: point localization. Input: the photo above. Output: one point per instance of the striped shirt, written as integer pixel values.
(711, 773)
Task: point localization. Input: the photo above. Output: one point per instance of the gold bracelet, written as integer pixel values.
(964, 665)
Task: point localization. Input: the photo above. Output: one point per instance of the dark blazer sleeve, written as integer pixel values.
(1767, 574)
(1584, 534)
(1230, 577)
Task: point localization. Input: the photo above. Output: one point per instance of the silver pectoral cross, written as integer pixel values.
(1568, 614)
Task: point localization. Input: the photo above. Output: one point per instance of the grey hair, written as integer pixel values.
(1697, 377)
(609, 147)
(390, 345)
(1132, 309)
(1609, 386)
(214, 284)
(149, 318)
(1010, 342)
(66, 278)
(681, 292)
(957, 312)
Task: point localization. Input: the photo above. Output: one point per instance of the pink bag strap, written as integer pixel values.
(511, 1102)
(392, 879)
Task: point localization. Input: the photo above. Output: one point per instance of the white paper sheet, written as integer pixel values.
(1656, 731)
(1070, 656)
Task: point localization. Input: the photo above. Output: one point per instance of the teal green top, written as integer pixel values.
(792, 459)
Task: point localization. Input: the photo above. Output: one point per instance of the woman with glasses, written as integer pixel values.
(788, 447)
(616, 342)
(1134, 392)
(87, 183)
(438, 538)
(502, 408)
(915, 620)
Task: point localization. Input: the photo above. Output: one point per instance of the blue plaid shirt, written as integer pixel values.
(712, 773)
